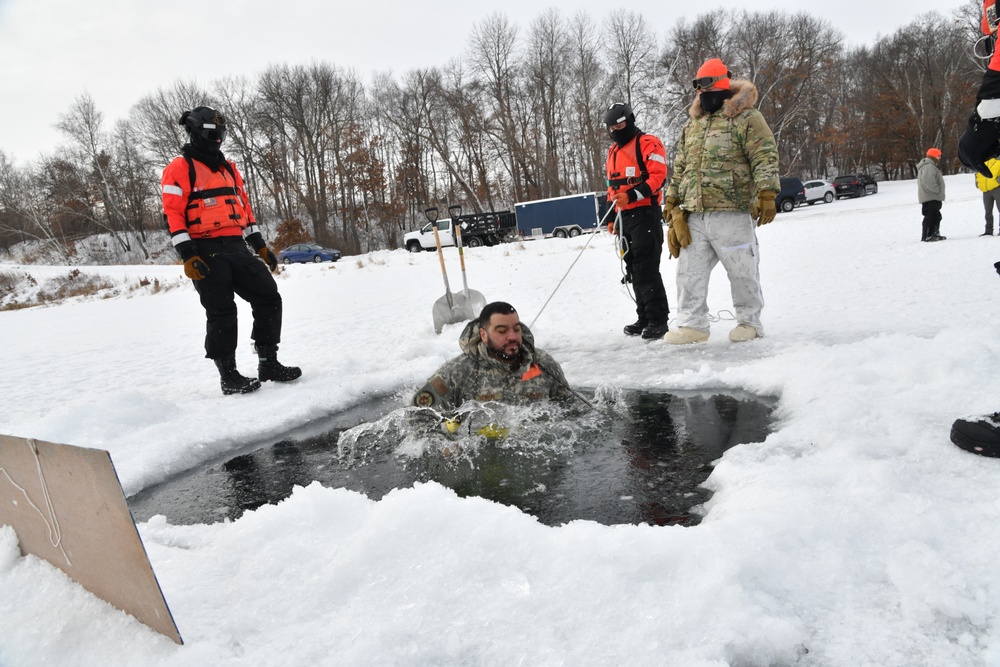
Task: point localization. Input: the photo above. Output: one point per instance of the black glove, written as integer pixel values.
(996, 266)
(195, 268)
(269, 258)
(979, 142)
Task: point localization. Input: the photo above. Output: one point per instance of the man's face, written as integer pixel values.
(502, 335)
(617, 126)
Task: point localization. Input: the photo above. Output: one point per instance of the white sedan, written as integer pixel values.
(819, 190)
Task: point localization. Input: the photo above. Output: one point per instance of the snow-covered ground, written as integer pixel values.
(856, 534)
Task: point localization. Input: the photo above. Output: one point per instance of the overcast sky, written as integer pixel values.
(53, 51)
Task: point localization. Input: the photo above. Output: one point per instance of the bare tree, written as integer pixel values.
(104, 197)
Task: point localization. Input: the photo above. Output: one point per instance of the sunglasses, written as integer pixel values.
(703, 82)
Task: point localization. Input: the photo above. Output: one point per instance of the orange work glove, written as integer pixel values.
(620, 199)
(269, 258)
(763, 210)
(195, 268)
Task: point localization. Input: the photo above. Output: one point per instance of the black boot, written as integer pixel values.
(269, 368)
(979, 436)
(655, 331)
(232, 381)
(635, 328)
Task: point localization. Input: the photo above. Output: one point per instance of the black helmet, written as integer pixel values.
(618, 112)
(205, 122)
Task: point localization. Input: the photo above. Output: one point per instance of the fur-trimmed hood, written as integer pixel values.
(744, 97)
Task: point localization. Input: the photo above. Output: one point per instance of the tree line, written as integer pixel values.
(353, 164)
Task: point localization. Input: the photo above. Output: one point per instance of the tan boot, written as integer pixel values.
(685, 336)
(743, 333)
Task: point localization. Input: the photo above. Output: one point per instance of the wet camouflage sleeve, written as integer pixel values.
(444, 391)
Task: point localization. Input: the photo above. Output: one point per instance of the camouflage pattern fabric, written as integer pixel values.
(724, 159)
(475, 375)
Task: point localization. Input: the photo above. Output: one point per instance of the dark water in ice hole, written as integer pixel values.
(640, 460)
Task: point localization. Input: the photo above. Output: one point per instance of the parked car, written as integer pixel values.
(792, 194)
(308, 252)
(820, 190)
(855, 185)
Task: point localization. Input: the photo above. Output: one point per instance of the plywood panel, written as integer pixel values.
(67, 506)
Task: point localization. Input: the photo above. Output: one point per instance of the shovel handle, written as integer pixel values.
(458, 241)
(444, 272)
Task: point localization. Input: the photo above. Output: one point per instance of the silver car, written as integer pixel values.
(819, 190)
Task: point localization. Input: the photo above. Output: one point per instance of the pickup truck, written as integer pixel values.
(478, 229)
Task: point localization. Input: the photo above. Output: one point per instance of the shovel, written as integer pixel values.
(475, 301)
(451, 308)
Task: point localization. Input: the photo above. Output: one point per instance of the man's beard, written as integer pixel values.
(501, 355)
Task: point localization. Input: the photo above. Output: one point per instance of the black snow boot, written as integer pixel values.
(635, 328)
(269, 368)
(232, 381)
(655, 331)
(979, 436)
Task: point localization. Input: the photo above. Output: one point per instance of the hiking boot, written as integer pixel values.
(654, 331)
(685, 336)
(743, 332)
(635, 328)
(269, 368)
(978, 435)
(231, 380)
(988, 232)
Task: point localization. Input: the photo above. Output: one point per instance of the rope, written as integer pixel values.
(578, 255)
(51, 522)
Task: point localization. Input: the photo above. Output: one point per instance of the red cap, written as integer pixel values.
(714, 67)
(934, 153)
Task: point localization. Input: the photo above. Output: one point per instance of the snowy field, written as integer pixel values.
(855, 534)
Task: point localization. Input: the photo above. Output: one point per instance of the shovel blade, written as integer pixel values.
(476, 302)
(452, 308)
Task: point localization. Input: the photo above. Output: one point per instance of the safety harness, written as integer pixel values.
(643, 172)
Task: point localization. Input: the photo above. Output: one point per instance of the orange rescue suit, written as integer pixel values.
(216, 205)
(625, 171)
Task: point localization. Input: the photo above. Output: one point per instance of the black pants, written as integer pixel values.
(234, 270)
(642, 231)
(932, 219)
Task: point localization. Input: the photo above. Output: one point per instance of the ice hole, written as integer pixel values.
(636, 457)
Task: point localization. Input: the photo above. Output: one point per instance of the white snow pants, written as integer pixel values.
(731, 238)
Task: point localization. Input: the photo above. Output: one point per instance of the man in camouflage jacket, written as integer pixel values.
(724, 182)
(499, 362)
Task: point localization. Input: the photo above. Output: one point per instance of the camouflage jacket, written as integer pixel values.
(725, 158)
(475, 375)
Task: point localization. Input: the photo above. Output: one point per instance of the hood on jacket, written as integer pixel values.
(926, 161)
(744, 97)
(472, 345)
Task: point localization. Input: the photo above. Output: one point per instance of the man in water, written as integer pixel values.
(499, 362)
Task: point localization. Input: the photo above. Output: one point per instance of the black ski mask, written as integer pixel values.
(206, 152)
(712, 100)
(624, 135)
